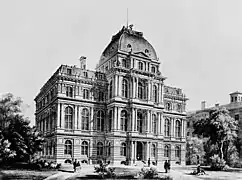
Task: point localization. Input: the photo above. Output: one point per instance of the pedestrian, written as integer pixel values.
(75, 165)
(169, 165)
(149, 162)
(166, 166)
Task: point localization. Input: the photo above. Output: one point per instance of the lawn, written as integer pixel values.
(25, 174)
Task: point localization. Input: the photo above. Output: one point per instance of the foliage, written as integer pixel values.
(220, 129)
(6, 154)
(217, 163)
(9, 107)
(105, 171)
(194, 149)
(148, 173)
(20, 140)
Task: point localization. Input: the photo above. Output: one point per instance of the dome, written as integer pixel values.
(127, 40)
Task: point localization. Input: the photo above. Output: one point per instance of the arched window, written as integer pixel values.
(153, 150)
(125, 63)
(123, 149)
(111, 89)
(101, 96)
(155, 94)
(100, 121)
(167, 151)
(69, 91)
(125, 88)
(153, 69)
(154, 126)
(99, 149)
(140, 65)
(167, 127)
(177, 152)
(168, 106)
(129, 46)
(141, 91)
(85, 94)
(139, 122)
(84, 148)
(68, 147)
(178, 128)
(109, 149)
(179, 108)
(68, 118)
(124, 120)
(85, 119)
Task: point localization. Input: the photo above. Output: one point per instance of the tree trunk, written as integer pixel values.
(221, 150)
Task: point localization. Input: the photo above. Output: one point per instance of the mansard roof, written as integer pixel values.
(128, 40)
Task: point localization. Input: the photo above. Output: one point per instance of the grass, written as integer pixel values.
(25, 174)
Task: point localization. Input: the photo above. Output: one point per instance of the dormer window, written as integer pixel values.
(85, 74)
(140, 66)
(125, 63)
(69, 71)
(153, 69)
(146, 51)
(129, 46)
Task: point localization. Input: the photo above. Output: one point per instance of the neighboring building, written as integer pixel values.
(234, 108)
(120, 112)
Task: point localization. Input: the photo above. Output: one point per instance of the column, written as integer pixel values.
(133, 120)
(135, 150)
(118, 118)
(115, 87)
(134, 87)
(137, 84)
(79, 117)
(158, 123)
(148, 150)
(58, 115)
(91, 118)
(62, 116)
(173, 127)
(114, 118)
(161, 124)
(148, 121)
(159, 93)
(149, 91)
(162, 90)
(75, 117)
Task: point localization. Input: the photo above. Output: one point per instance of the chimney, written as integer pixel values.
(217, 105)
(83, 62)
(203, 105)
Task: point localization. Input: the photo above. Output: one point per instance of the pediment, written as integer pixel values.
(142, 54)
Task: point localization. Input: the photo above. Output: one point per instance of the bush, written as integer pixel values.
(104, 171)
(217, 163)
(148, 173)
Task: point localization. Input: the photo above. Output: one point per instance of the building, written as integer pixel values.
(234, 108)
(122, 111)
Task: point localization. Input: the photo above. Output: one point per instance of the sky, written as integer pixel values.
(199, 42)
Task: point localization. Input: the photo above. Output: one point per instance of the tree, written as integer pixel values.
(194, 150)
(220, 129)
(18, 140)
(9, 107)
(26, 141)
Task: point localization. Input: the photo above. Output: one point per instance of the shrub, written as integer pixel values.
(148, 173)
(104, 171)
(217, 163)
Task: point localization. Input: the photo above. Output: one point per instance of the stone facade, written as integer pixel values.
(122, 111)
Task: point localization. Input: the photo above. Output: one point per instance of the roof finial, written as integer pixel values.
(127, 17)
